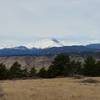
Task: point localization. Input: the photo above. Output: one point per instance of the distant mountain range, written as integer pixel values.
(53, 50)
(94, 46)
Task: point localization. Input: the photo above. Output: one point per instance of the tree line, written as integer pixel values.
(61, 66)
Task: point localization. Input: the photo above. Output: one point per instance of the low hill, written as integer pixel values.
(27, 61)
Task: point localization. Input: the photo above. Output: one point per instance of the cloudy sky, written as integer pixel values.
(26, 21)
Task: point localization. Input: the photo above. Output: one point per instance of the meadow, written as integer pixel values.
(49, 89)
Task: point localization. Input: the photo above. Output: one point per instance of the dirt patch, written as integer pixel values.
(91, 81)
(78, 77)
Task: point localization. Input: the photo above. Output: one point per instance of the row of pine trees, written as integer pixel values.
(61, 66)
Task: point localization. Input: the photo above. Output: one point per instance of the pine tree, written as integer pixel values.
(15, 71)
(42, 73)
(3, 72)
(89, 66)
(33, 72)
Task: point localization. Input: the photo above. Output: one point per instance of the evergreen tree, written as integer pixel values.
(15, 71)
(33, 72)
(63, 66)
(75, 68)
(3, 72)
(89, 66)
(59, 64)
(97, 69)
(52, 72)
(42, 73)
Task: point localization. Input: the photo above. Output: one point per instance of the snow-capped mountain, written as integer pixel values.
(45, 43)
(21, 47)
(48, 47)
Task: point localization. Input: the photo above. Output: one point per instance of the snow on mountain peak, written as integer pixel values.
(21, 47)
(45, 43)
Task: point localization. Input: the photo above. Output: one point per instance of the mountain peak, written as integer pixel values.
(46, 43)
(21, 47)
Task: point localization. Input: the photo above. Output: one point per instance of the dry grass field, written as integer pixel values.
(49, 89)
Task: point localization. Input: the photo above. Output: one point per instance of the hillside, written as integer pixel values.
(27, 61)
(49, 89)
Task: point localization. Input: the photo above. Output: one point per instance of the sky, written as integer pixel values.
(24, 22)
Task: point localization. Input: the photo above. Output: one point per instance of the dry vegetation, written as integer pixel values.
(49, 89)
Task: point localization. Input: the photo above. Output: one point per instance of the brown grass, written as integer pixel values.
(49, 89)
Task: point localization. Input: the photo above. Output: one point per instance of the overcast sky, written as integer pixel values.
(25, 21)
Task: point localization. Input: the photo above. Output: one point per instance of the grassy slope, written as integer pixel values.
(45, 89)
